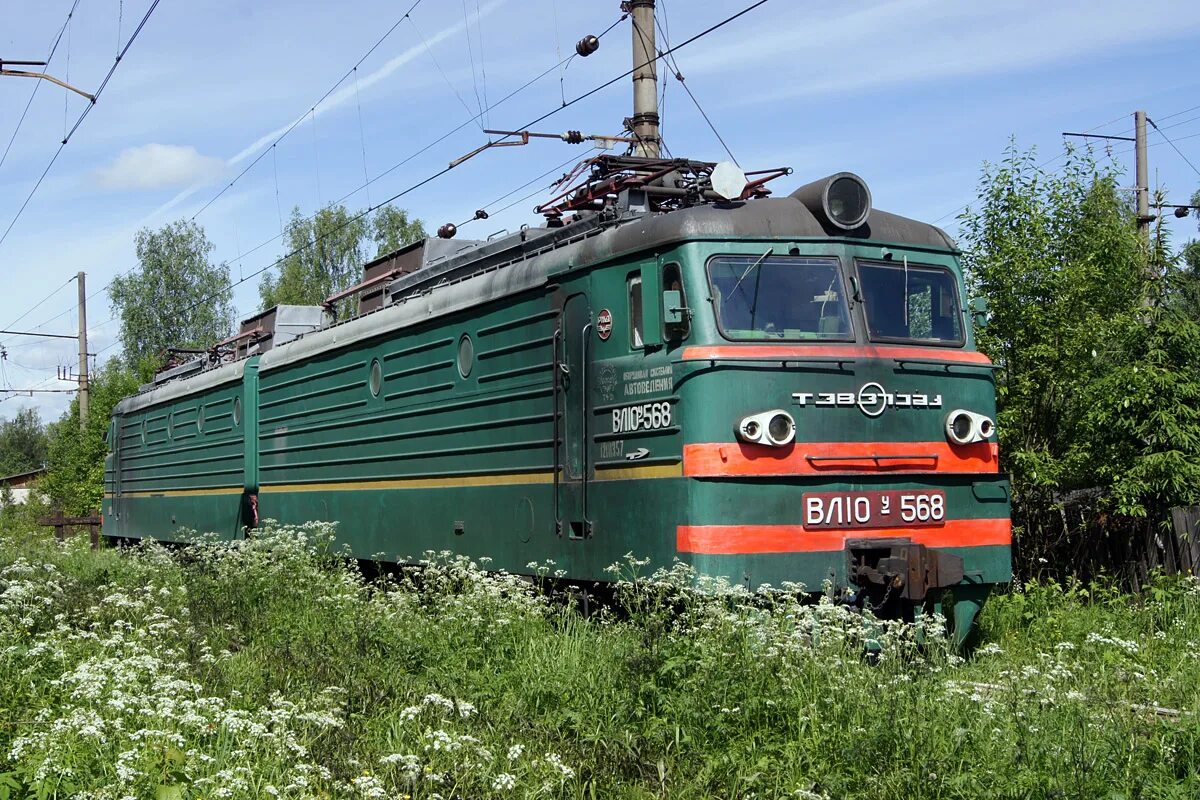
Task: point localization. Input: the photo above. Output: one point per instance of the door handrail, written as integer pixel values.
(558, 528)
(585, 447)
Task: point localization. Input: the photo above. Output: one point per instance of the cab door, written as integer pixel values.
(115, 435)
(572, 467)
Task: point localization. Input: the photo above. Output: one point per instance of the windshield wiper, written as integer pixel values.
(761, 259)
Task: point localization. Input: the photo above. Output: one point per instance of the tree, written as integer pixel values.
(392, 229)
(1099, 392)
(1188, 292)
(75, 481)
(325, 253)
(23, 443)
(1144, 426)
(1057, 256)
(175, 298)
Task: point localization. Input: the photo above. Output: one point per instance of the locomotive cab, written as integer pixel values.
(835, 421)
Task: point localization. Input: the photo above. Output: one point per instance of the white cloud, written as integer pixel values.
(158, 166)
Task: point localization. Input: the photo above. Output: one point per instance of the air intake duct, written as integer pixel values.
(842, 199)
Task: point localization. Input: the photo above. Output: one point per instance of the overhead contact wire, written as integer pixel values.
(439, 173)
(95, 98)
(301, 118)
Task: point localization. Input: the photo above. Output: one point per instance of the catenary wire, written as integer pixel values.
(1062, 155)
(471, 54)
(1128, 132)
(573, 159)
(439, 173)
(446, 78)
(366, 184)
(95, 98)
(38, 305)
(37, 83)
(678, 75)
(483, 64)
(301, 118)
(1173, 147)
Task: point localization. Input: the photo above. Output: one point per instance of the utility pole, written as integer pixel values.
(1142, 170)
(645, 79)
(83, 352)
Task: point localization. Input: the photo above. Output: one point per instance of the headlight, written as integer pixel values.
(775, 428)
(967, 427)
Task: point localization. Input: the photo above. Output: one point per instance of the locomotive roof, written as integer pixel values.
(591, 238)
(772, 218)
(530, 257)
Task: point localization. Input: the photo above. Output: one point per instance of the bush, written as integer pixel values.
(272, 667)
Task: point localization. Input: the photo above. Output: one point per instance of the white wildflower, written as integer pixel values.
(504, 782)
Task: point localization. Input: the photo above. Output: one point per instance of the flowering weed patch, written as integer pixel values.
(272, 668)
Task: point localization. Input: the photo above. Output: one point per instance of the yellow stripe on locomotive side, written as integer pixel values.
(603, 473)
(178, 492)
(500, 479)
(622, 473)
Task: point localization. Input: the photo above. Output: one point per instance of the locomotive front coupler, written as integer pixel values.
(895, 575)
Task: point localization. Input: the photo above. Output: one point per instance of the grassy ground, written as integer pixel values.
(272, 669)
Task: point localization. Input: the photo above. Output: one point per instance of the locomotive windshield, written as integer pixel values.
(779, 297)
(910, 303)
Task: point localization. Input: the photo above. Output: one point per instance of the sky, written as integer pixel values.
(913, 95)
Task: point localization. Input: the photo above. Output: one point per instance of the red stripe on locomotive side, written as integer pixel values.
(725, 459)
(702, 353)
(748, 539)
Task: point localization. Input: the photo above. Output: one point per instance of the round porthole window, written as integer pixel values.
(466, 355)
(237, 411)
(200, 420)
(376, 382)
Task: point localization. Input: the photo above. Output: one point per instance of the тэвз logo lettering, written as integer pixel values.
(872, 399)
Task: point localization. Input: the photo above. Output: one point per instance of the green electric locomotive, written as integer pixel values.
(769, 389)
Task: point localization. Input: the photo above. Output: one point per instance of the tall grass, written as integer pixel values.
(272, 668)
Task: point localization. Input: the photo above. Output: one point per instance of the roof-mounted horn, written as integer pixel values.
(843, 199)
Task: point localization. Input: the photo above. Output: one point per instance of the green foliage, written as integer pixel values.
(21, 519)
(391, 229)
(1144, 425)
(23, 443)
(75, 482)
(269, 667)
(325, 253)
(1057, 258)
(1188, 292)
(176, 297)
(1098, 390)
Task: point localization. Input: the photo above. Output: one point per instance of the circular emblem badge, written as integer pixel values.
(604, 324)
(872, 400)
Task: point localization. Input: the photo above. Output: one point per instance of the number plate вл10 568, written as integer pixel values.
(896, 508)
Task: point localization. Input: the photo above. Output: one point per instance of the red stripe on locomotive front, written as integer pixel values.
(748, 539)
(726, 459)
(848, 351)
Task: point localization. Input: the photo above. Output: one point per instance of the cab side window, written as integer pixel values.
(634, 282)
(676, 322)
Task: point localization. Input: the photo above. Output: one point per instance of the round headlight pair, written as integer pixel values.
(966, 427)
(775, 428)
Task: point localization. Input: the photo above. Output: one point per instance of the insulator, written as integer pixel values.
(573, 137)
(480, 214)
(1181, 212)
(587, 45)
(447, 231)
